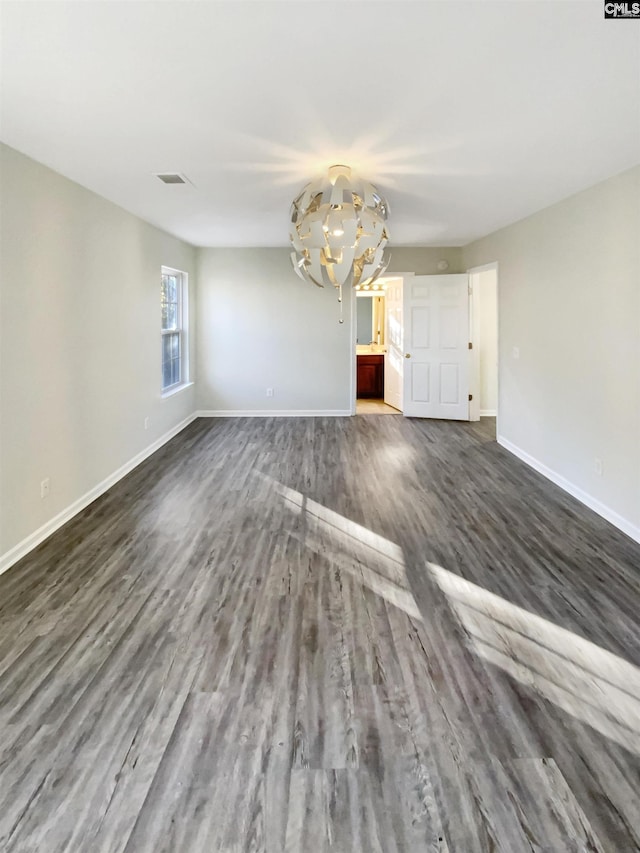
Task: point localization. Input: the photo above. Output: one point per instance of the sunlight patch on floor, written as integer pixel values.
(595, 686)
(368, 557)
(591, 684)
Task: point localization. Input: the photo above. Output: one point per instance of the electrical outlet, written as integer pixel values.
(146, 423)
(269, 392)
(597, 466)
(45, 486)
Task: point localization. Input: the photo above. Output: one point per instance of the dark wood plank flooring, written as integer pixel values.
(347, 634)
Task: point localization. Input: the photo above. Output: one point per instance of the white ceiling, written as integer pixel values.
(467, 115)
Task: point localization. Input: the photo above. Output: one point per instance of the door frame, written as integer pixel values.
(353, 337)
(474, 337)
(353, 371)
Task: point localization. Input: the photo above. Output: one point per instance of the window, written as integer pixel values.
(173, 297)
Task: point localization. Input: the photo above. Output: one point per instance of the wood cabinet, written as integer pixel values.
(370, 376)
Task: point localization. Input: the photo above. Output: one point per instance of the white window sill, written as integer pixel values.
(170, 392)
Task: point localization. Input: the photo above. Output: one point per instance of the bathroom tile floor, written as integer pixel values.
(375, 407)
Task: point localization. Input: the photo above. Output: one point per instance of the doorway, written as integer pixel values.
(483, 287)
(371, 334)
(476, 362)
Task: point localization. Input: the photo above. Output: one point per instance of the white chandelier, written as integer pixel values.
(339, 231)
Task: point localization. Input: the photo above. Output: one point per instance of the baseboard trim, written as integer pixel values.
(274, 413)
(585, 498)
(37, 537)
(488, 413)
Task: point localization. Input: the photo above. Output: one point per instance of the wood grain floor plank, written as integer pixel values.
(345, 634)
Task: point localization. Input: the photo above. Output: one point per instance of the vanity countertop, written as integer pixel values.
(369, 349)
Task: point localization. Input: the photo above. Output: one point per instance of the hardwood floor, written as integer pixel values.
(347, 634)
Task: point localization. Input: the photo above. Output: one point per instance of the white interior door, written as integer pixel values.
(436, 347)
(394, 355)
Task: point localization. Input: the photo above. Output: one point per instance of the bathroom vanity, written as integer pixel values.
(370, 375)
(370, 344)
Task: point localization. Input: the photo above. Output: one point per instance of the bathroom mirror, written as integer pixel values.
(369, 319)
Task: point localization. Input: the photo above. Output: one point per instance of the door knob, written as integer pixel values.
(407, 355)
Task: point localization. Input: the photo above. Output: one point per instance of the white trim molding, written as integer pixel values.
(274, 413)
(38, 536)
(171, 392)
(606, 512)
(488, 413)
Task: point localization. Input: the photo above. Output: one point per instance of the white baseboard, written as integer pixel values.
(488, 413)
(34, 539)
(606, 512)
(275, 413)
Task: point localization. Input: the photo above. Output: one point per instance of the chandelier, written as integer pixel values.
(339, 231)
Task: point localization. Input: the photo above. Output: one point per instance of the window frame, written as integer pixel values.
(181, 330)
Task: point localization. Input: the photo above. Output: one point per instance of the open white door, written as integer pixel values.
(436, 347)
(394, 356)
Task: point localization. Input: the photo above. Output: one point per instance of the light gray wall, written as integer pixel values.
(569, 299)
(80, 341)
(261, 327)
(424, 261)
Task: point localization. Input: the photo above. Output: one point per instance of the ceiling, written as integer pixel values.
(467, 115)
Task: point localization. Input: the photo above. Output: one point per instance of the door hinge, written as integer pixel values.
(470, 397)
(470, 345)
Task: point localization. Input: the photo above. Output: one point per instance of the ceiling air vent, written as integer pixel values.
(171, 178)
